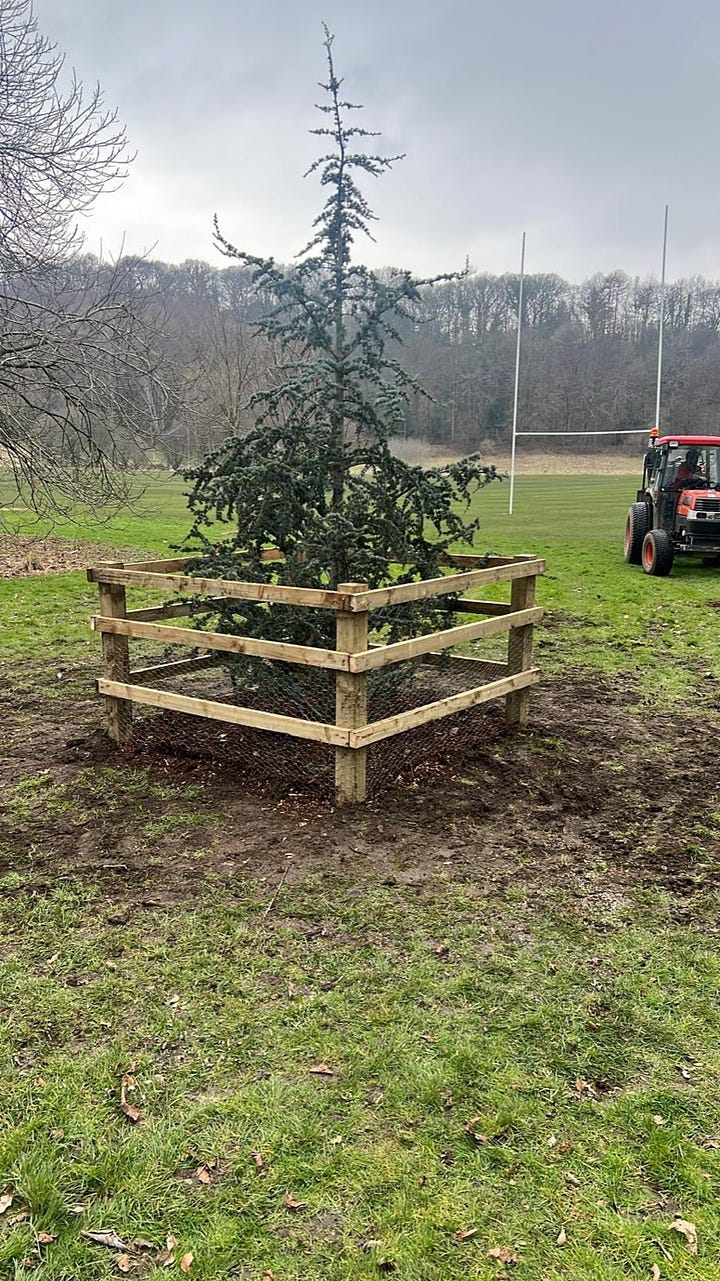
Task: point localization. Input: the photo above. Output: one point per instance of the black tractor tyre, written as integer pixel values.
(658, 553)
(636, 527)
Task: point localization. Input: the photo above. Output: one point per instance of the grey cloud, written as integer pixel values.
(575, 121)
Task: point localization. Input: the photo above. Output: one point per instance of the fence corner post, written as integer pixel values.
(519, 653)
(351, 701)
(116, 655)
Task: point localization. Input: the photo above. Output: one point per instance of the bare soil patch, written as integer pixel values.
(593, 799)
(22, 555)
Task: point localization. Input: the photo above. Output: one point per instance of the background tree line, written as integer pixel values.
(588, 360)
(173, 370)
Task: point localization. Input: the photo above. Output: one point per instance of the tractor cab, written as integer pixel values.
(677, 508)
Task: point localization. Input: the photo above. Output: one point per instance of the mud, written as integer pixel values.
(594, 799)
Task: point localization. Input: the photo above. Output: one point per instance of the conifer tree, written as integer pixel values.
(316, 477)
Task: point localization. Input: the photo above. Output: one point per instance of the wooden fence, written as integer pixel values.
(351, 660)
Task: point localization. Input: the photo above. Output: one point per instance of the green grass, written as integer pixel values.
(603, 613)
(158, 519)
(585, 1057)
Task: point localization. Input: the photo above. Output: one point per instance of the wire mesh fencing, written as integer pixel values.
(278, 765)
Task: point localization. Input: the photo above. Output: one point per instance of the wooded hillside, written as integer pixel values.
(589, 355)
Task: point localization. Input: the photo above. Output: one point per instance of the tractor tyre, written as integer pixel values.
(658, 553)
(636, 527)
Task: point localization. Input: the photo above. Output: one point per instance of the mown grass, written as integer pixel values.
(584, 1055)
(604, 614)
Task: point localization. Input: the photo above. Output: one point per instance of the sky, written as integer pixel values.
(574, 121)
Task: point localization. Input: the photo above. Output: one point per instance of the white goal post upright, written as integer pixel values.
(517, 376)
(661, 325)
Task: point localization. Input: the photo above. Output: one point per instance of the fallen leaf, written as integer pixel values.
(203, 1174)
(465, 1233)
(584, 1087)
(552, 1141)
(105, 1236)
(5, 1201)
(130, 1110)
(259, 1163)
(573, 1180)
(57, 1134)
(659, 1120)
(564, 1147)
(22, 1217)
(139, 1243)
(124, 1263)
(292, 1204)
(562, 1237)
(166, 1257)
(711, 1144)
(475, 1134)
(503, 1253)
(45, 1238)
(431, 1040)
(186, 1262)
(442, 950)
(268, 1276)
(76, 1209)
(688, 1230)
(655, 1272)
(322, 1069)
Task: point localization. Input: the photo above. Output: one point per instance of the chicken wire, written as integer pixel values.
(282, 765)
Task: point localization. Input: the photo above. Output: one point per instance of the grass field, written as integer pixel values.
(609, 612)
(470, 1032)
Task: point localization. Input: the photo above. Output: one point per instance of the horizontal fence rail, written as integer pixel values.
(279, 650)
(295, 726)
(351, 660)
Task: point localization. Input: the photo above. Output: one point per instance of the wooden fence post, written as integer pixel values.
(519, 652)
(351, 702)
(116, 659)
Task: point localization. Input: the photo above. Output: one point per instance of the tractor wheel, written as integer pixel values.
(657, 553)
(636, 527)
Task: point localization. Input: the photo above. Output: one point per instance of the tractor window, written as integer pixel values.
(705, 472)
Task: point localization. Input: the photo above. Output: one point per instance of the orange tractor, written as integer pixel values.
(678, 507)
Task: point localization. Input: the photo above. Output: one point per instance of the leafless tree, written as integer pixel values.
(59, 147)
(75, 334)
